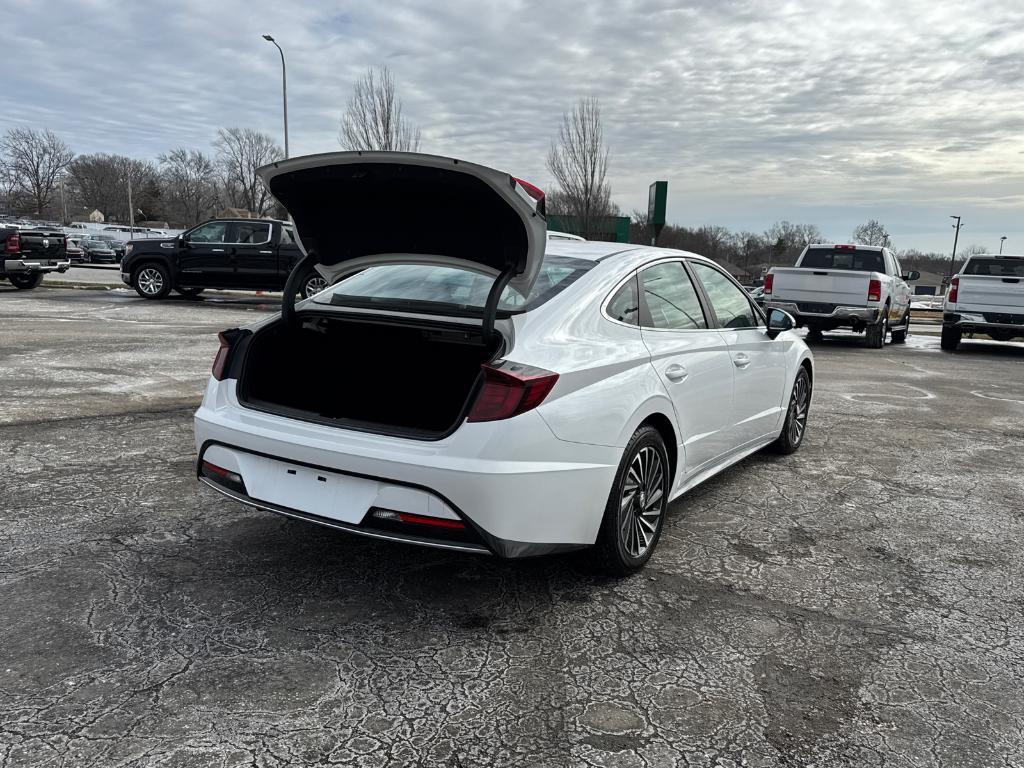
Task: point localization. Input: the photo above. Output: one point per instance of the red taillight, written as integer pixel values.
(874, 290)
(846, 247)
(509, 390)
(227, 341)
(531, 189)
(13, 243)
(769, 280)
(954, 286)
(437, 522)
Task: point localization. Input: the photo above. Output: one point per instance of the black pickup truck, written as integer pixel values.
(239, 254)
(26, 255)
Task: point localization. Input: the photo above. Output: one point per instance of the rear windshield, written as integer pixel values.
(997, 267)
(841, 258)
(447, 288)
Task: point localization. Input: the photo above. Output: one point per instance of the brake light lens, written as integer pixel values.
(13, 243)
(875, 290)
(846, 247)
(769, 281)
(533, 191)
(954, 287)
(227, 341)
(510, 389)
(410, 519)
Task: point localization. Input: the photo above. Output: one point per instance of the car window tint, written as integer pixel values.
(252, 233)
(671, 298)
(625, 304)
(996, 267)
(213, 232)
(729, 301)
(843, 258)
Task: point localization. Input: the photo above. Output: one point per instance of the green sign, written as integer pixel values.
(656, 201)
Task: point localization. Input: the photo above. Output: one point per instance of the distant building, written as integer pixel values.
(738, 272)
(234, 213)
(96, 217)
(929, 284)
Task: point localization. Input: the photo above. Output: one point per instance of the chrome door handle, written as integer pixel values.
(675, 372)
(741, 360)
(217, 250)
(266, 251)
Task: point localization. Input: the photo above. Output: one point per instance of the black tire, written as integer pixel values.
(794, 428)
(189, 293)
(950, 338)
(26, 282)
(151, 280)
(900, 336)
(627, 539)
(312, 284)
(875, 334)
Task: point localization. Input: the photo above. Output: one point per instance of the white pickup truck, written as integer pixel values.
(844, 286)
(987, 296)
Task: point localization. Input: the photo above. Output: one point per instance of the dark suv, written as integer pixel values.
(240, 254)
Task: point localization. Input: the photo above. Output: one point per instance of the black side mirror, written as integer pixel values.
(912, 275)
(779, 321)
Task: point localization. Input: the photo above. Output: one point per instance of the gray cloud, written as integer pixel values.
(751, 110)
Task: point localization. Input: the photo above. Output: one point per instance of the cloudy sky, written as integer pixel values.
(826, 112)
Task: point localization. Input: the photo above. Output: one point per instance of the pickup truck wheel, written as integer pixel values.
(189, 293)
(795, 426)
(151, 281)
(26, 282)
(899, 336)
(635, 512)
(950, 338)
(875, 334)
(313, 284)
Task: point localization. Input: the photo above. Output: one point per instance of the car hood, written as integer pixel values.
(359, 209)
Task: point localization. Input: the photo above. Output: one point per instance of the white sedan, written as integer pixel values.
(475, 386)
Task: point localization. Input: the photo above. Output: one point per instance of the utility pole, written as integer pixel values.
(64, 209)
(1001, 241)
(952, 260)
(131, 210)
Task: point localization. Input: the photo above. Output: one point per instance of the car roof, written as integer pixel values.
(631, 253)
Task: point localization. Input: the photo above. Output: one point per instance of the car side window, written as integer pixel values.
(287, 236)
(671, 299)
(625, 304)
(254, 233)
(730, 302)
(211, 232)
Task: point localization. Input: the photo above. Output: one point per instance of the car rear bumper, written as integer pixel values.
(840, 313)
(517, 488)
(15, 266)
(968, 322)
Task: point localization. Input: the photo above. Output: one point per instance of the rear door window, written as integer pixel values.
(843, 258)
(250, 233)
(671, 299)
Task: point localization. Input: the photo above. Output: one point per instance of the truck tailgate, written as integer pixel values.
(840, 287)
(988, 293)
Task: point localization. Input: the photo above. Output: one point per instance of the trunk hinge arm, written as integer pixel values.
(493, 297)
(291, 286)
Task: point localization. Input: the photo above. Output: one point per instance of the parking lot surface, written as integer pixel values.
(858, 603)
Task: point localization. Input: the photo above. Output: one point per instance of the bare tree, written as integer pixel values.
(872, 232)
(188, 179)
(101, 182)
(786, 240)
(240, 151)
(35, 161)
(373, 119)
(579, 163)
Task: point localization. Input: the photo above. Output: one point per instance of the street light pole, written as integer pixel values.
(284, 91)
(1001, 241)
(952, 259)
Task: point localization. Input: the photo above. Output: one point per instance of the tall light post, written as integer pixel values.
(284, 91)
(1001, 241)
(952, 259)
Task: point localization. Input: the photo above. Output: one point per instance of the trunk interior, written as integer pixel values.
(390, 377)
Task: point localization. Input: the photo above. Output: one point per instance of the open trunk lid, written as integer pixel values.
(354, 210)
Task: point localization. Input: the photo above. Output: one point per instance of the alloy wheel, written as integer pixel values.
(642, 501)
(798, 409)
(314, 285)
(151, 282)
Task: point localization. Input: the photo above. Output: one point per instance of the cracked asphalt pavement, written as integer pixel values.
(858, 603)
